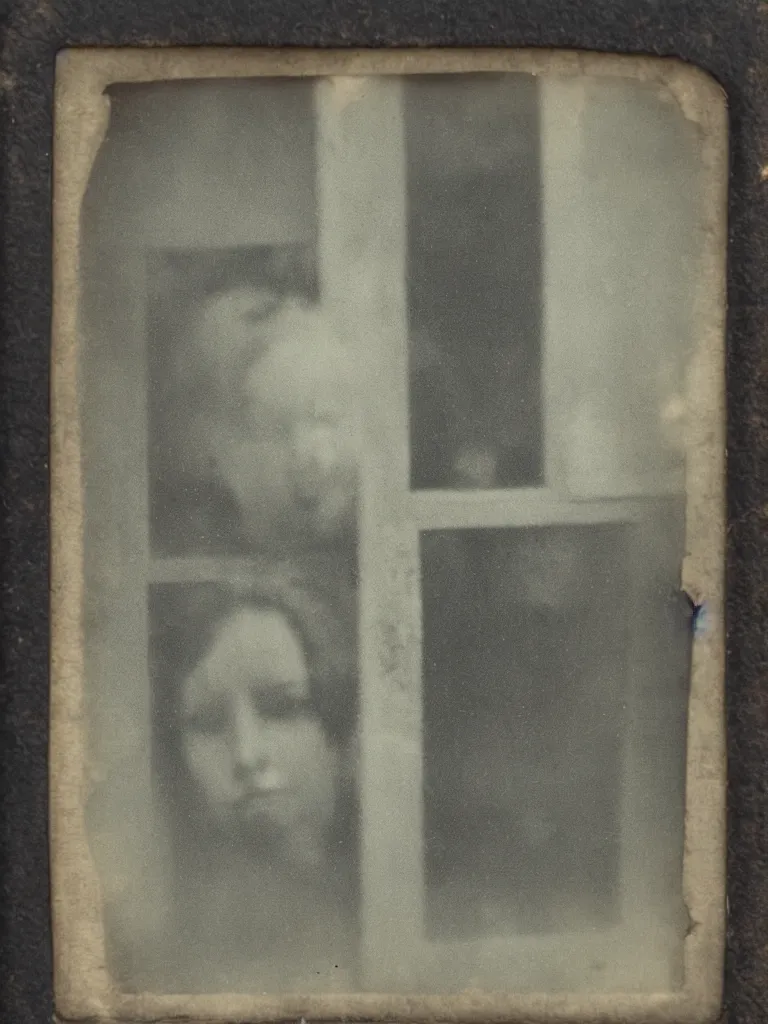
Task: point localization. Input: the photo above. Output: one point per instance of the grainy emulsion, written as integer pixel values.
(384, 411)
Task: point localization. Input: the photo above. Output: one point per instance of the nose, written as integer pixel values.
(249, 754)
(315, 445)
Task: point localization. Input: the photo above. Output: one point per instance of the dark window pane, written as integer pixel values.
(528, 704)
(473, 280)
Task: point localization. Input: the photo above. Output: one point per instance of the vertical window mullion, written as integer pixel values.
(567, 320)
(362, 260)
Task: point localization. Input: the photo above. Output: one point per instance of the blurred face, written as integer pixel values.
(551, 569)
(251, 739)
(304, 397)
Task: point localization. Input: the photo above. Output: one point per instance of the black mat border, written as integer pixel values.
(728, 39)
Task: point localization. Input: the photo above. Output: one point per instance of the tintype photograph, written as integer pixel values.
(388, 536)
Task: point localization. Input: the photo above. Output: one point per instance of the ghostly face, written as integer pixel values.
(251, 739)
(304, 399)
(551, 567)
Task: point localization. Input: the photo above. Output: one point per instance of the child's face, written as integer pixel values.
(252, 741)
(286, 436)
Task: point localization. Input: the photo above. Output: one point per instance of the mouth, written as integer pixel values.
(259, 800)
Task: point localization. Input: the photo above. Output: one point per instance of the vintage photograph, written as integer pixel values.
(397, 400)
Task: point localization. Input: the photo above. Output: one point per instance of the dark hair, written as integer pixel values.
(327, 635)
(186, 619)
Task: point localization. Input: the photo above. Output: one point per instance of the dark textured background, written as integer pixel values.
(727, 37)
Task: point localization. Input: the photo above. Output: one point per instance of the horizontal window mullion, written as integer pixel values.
(434, 510)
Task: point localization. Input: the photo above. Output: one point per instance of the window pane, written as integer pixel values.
(473, 280)
(528, 714)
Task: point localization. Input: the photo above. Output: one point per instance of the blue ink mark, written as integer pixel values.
(700, 619)
(699, 615)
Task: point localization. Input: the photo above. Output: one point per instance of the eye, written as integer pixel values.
(277, 705)
(262, 308)
(208, 719)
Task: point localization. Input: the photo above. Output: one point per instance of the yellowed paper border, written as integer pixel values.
(82, 984)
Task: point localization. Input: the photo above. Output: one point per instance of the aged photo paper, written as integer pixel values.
(388, 518)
